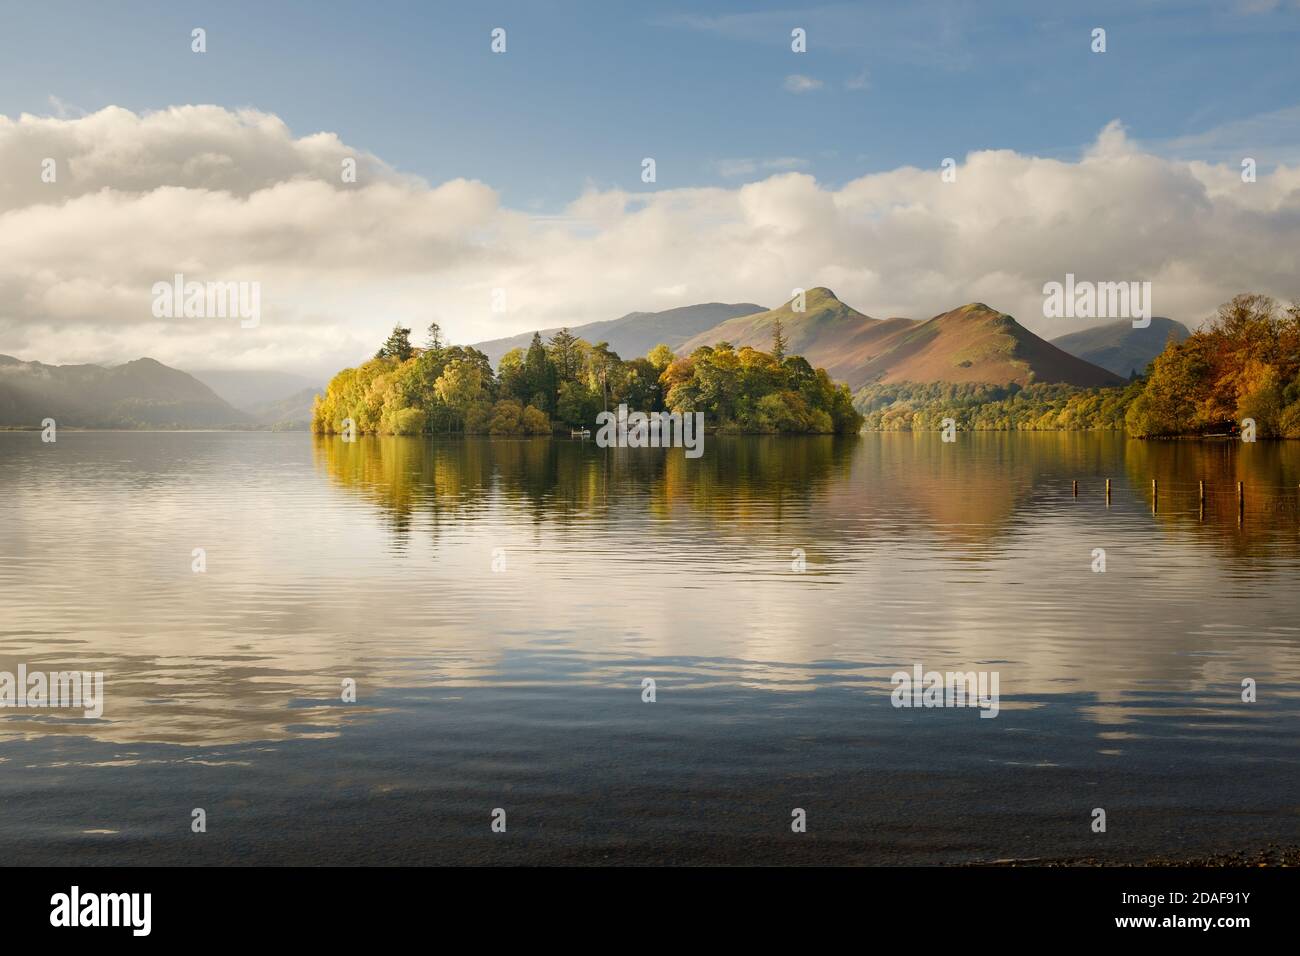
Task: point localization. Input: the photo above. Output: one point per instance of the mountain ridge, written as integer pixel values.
(141, 393)
(634, 334)
(972, 343)
(1121, 348)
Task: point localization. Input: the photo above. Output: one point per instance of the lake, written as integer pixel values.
(499, 605)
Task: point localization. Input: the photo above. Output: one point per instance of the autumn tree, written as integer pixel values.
(661, 356)
(459, 387)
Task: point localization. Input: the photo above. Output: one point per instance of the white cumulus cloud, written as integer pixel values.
(234, 196)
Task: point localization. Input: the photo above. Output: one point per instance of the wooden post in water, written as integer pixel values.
(1201, 493)
(1076, 487)
(1241, 502)
(1107, 492)
(1155, 496)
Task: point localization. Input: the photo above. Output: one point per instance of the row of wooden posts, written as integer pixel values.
(1155, 494)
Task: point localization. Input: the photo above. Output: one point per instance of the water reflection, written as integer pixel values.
(1259, 523)
(375, 561)
(562, 480)
(969, 492)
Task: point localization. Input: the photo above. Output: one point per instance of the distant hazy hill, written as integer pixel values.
(143, 393)
(292, 412)
(1119, 347)
(248, 389)
(637, 332)
(971, 344)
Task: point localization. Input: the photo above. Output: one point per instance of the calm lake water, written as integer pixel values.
(521, 688)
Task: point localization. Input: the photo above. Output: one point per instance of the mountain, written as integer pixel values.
(140, 394)
(971, 344)
(637, 332)
(830, 334)
(978, 344)
(1119, 347)
(247, 389)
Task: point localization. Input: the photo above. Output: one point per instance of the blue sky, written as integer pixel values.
(588, 89)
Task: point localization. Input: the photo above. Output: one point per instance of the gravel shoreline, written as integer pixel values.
(1272, 855)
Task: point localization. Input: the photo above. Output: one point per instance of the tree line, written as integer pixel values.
(566, 381)
(1038, 406)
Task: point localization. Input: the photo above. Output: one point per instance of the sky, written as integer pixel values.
(488, 178)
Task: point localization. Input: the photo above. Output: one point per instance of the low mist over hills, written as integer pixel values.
(971, 344)
(248, 388)
(637, 332)
(278, 400)
(139, 394)
(291, 413)
(1120, 348)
